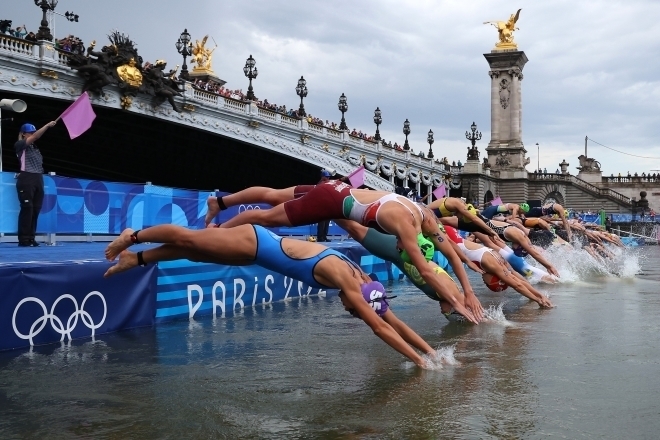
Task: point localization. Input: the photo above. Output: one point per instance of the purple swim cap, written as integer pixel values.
(374, 294)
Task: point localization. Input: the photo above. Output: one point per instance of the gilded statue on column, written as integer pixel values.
(505, 31)
(202, 56)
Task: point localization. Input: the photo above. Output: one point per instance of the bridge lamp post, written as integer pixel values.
(473, 137)
(44, 30)
(184, 47)
(430, 140)
(250, 72)
(13, 105)
(343, 108)
(377, 120)
(301, 90)
(406, 131)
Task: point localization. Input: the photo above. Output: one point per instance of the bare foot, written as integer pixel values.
(119, 244)
(213, 209)
(127, 260)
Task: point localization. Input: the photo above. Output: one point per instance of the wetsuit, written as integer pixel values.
(270, 255)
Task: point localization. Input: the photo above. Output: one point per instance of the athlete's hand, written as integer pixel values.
(552, 270)
(545, 303)
(472, 303)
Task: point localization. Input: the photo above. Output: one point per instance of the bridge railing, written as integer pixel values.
(45, 53)
(606, 192)
(631, 179)
(17, 45)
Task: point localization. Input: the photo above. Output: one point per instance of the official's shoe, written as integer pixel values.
(34, 243)
(24, 243)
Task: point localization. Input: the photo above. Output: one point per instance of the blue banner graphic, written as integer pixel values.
(43, 303)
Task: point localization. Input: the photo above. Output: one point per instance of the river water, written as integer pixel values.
(305, 369)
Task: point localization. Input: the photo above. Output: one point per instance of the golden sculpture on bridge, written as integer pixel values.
(505, 31)
(202, 56)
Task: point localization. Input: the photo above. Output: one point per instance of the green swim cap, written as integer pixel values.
(425, 246)
(524, 207)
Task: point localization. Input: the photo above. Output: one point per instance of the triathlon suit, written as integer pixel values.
(491, 211)
(531, 273)
(464, 223)
(270, 255)
(541, 212)
(474, 255)
(442, 210)
(384, 246)
(333, 199)
(301, 190)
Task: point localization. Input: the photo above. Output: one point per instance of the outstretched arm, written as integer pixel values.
(407, 333)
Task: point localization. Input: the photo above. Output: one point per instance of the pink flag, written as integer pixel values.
(497, 201)
(440, 191)
(357, 177)
(79, 116)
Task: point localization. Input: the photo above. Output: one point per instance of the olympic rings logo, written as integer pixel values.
(56, 322)
(242, 208)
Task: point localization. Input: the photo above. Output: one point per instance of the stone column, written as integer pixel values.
(494, 104)
(515, 109)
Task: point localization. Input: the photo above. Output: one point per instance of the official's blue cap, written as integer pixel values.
(325, 173)
(28, 128)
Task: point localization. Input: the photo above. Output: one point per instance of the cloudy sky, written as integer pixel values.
(591, 72)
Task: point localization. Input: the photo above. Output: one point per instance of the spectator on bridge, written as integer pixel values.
(460, 164)
(545, 171)
(31, 37)
(30, 182)
(20, 32)
(557, 171)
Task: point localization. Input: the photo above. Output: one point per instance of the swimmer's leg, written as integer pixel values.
(275, 216)
(255, 194)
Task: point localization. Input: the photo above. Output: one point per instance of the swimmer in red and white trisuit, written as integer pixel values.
(494, 265)
(312, 263)
(384, 211)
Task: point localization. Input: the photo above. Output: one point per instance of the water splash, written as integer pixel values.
(578, 265)
(494, 314)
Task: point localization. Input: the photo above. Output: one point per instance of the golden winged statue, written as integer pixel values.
(505, 31)
(202, 56)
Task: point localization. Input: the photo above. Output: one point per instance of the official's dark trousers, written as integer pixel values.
(30, 189)
(322, 230)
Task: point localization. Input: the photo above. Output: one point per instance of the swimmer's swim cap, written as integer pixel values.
(471, 209)
(566, 213)
(425, 246)
(494, 283)
(524, 207)
(520, 252)
(374, 294)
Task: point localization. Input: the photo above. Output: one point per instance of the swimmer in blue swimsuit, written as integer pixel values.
(247, 244)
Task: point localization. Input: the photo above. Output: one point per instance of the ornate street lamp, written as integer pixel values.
(377, 120)
(343, 108)
(406, 131)
(184, 47)
(250, 72)
(429, 139)
(71, 16)
(301, 90)
(44, 30)
(473, 153)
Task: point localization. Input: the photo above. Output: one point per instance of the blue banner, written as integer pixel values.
(43, 303)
